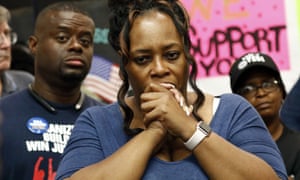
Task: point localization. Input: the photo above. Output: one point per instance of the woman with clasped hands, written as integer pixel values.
(163, 131)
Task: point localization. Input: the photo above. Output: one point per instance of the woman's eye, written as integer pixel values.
(172, 55)
(246, 89)
(267, 84)
(141, 59)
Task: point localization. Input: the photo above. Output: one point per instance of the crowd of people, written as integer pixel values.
(158, 128)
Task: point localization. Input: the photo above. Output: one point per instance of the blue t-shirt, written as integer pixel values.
(33, 137)
(98, 133)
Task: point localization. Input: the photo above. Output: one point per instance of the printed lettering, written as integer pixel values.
(228, 14)
(206, 9)
(39, 174)
(253, 58)
(58, 148)
(51, 173)
(37, 146)
(232, 41)
(53, 137)
(60, 129)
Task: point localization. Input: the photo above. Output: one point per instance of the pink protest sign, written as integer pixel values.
(223, 30)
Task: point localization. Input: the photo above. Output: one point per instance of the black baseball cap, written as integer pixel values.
(249, 61)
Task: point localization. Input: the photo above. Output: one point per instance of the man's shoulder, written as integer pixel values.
(14, 97)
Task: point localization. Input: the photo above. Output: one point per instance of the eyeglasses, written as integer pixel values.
(11, 36)
(251, 90)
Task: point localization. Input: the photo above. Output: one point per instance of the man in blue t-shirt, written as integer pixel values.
(38, 121)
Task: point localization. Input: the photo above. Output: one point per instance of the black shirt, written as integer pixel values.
(289, 146)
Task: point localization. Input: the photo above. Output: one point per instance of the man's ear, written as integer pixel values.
(32, 43)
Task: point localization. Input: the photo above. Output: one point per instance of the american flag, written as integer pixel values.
(103, 80)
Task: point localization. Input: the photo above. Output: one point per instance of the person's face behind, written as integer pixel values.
(156, 53)
(63, 47)
(5, 46)
(266, 102)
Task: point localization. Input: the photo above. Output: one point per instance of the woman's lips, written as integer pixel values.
(262, 105)
(168, 85)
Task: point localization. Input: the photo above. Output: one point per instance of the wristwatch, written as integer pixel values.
(202, 131)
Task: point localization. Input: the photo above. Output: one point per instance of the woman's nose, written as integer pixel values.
(160, 67)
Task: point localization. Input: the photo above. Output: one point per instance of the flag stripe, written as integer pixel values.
(103, 80)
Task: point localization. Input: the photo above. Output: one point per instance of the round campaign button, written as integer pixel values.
(37, 125)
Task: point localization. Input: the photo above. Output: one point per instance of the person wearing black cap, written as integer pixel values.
(256, 77)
